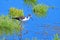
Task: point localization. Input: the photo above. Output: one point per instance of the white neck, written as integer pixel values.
(26, 18)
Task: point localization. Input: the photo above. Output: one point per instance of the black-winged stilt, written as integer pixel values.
(23, 18)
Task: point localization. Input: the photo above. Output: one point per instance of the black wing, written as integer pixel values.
(19, 18)
(16, 18)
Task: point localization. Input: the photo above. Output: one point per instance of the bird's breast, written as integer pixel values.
(25, 19)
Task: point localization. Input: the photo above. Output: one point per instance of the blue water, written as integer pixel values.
(37, 24)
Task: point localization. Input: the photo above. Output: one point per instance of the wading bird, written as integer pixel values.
(23, 18)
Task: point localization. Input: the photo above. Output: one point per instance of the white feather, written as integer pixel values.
(25, 19)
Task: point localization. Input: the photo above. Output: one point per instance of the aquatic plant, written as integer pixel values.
(31, 2)
(40, 10)
(13, 12)
(8, 26)
(56, 37)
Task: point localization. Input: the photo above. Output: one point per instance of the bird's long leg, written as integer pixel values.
(23, 22)
(20, 31)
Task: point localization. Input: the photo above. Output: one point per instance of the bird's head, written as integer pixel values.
(29, 15)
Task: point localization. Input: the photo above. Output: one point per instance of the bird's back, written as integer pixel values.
(19, 18)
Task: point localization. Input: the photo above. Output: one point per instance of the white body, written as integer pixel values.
(26, 19)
